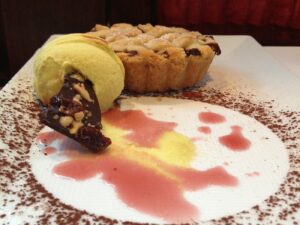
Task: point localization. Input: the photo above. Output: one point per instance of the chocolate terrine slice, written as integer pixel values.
(75, 112)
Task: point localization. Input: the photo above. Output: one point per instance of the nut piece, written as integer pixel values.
(77, 77)
(77, 98)
(75, 127)
(79, 116)
(65, 121)
(80, 88)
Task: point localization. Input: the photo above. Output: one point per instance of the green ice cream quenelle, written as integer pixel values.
(83, 53)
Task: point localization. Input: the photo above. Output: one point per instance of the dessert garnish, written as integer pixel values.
(76, 75)
(75, 112)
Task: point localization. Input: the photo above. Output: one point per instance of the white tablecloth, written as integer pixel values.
(288, 56)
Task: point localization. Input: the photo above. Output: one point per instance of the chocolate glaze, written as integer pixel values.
(63, 104)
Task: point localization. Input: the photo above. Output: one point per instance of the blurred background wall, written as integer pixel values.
(26, 25)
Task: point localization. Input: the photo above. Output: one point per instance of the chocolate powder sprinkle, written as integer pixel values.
(22, 193)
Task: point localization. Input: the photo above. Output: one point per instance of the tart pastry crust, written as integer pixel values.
(159, 58)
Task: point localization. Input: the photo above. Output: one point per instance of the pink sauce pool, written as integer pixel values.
(145, 131)
(140, 187)
(204, 129)
(235, 141)
(145, 189)
(210, 117)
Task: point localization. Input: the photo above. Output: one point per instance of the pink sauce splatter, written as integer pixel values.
(235, 141)
(49, 150)
(204, 130)
(144, 130)
(146, 190)
(47, 138)
(194, 139)
(210, 117)
(253, 174)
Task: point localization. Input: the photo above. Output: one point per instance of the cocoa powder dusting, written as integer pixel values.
(22, 192)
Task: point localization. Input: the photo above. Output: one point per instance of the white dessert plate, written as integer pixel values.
(223, 152)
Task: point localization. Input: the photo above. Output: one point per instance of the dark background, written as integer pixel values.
(26, 25)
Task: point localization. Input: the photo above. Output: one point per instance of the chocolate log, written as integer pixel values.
(75, 112)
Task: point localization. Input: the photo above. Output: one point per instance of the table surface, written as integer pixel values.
(287, 56)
